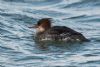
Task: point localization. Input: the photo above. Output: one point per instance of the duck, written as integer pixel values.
(46, 31)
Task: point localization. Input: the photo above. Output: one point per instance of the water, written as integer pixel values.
(18, 49)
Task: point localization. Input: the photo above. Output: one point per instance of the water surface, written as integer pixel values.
(18, 49)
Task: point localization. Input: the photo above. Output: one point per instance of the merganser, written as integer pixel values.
(47, 32)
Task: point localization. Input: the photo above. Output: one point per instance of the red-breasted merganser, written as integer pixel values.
(47, 32)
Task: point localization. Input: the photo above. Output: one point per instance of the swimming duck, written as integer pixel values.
(47, 32)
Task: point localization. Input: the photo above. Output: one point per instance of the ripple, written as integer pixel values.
(77, 17)
(83, 3)
(36, 2)
(48, 13)
(91, 62)
(4, 31)
(30, 58)
(2, 48)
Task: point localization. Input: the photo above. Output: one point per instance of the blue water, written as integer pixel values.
(18, 49)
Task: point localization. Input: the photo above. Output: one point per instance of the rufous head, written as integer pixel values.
(43, 24)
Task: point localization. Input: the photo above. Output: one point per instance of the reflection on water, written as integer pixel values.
(59, 46)
(19, 49)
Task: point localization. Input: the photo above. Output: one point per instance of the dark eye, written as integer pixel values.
(39, 23)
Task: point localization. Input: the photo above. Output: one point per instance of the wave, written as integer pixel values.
(36, 2)
(83, 4)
